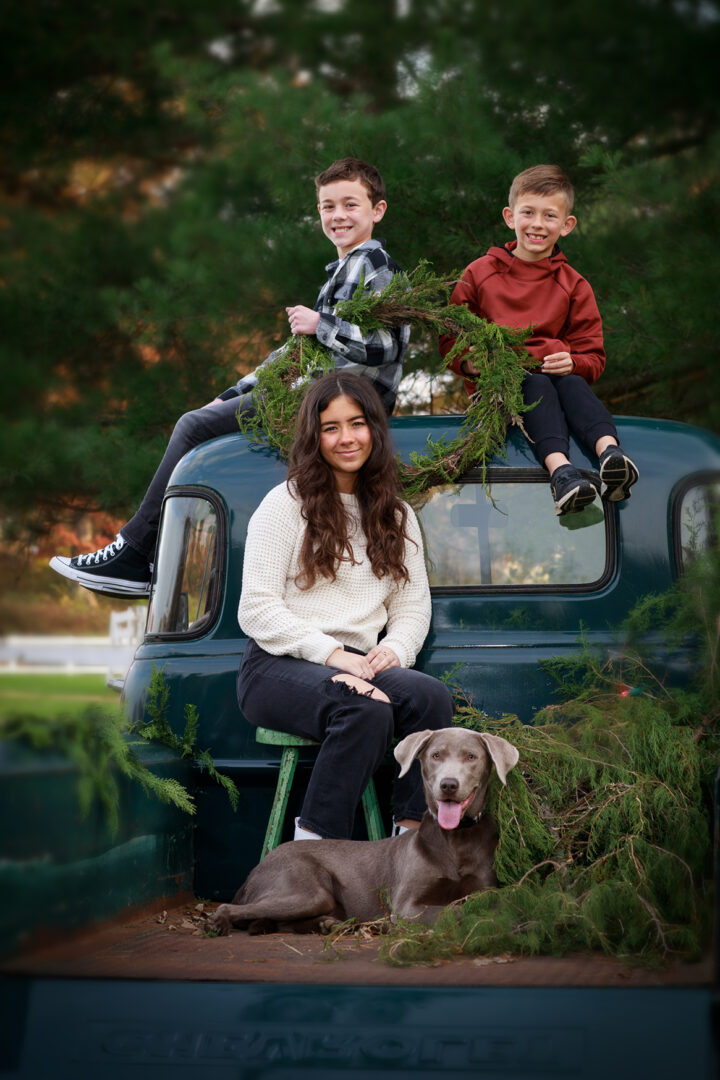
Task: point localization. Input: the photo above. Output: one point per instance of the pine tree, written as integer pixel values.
(158, 206)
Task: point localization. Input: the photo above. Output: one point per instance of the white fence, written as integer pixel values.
(110, 655)
(128, 627)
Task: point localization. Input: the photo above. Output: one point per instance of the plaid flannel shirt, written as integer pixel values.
(378, 355)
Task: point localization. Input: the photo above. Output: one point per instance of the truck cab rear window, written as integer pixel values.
(186, 591)
(509, 537)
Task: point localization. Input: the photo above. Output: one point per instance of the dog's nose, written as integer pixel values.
(449, 785)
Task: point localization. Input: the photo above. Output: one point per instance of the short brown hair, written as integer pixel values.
(542, 180)
(351, 168)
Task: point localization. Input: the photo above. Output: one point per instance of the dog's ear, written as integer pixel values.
(504, 755)
(408, 749)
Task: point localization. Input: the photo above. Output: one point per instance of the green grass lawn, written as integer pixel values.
(53, 695)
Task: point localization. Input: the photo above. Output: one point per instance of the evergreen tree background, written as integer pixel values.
(158, 211)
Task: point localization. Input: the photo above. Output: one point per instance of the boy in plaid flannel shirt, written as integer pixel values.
(351, 201)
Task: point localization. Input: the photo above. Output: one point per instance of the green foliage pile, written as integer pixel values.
(606, 823)
(422, 300)
(605, 840)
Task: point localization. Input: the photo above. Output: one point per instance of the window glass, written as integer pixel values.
(510, 536)
(698, 512)
(186, 574)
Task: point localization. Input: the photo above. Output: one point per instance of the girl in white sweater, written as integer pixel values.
(333, 557)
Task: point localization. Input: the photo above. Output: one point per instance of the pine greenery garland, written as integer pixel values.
(421, 299)
(279, 392)
(96, 744)
(157, 729)
(101, 746)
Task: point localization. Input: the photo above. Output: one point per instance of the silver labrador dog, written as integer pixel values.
(314, 884)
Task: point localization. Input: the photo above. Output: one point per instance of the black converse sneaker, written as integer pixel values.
(116, 570)
(570, 490)
(618, 474)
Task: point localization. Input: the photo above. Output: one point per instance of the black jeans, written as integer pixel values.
(191, 430)
(564, 402)
(355, 732)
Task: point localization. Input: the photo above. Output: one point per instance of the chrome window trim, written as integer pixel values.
(209, 619)
(535, 476)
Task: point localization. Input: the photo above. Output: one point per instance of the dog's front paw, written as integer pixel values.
(327, 923)
(221, 921)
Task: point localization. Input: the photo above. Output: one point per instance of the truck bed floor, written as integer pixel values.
(169, 943)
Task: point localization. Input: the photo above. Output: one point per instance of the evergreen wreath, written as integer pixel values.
(421, 299)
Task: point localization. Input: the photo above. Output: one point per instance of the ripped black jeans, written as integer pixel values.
(354, 731)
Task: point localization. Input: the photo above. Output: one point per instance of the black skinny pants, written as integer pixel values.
(191, 430)
(565, 402)
(355, 732)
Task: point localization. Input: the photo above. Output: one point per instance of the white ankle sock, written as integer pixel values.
(304, 834)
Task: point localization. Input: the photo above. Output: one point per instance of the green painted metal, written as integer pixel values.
(279, 806)
(288, 763)
(371, 809)
(281, 738)
(61, 869)
(72, 1029)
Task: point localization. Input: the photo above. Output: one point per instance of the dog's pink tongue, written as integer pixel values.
(449, 814)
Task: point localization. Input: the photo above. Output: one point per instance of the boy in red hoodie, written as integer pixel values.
(530, 283)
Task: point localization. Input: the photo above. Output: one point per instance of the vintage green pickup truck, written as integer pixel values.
(512, 584)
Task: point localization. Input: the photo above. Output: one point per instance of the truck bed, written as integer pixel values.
(149, 997)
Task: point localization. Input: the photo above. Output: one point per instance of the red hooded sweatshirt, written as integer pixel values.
(548, 294)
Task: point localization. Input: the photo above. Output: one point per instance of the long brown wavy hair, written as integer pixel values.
(383, 515)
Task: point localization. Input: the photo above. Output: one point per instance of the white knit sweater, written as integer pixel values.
(352, 610)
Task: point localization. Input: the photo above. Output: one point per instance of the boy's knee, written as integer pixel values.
(574, 382)
(357, 685)
(187, 423)
(534, 385)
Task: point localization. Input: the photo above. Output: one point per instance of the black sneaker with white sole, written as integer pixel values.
(571, 491)
(617, 473)
(115, 570)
